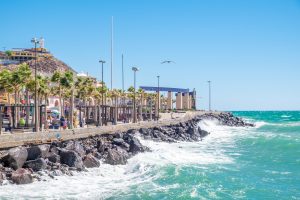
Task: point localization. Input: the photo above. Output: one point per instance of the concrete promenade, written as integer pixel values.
(11, 140)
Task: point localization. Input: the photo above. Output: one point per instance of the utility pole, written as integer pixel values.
(36, 125)
(209, 95)
(111, 52)
(122, 72)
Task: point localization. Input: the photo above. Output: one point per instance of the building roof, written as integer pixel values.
(164, 89)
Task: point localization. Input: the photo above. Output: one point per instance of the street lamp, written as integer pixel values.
(36, 125)
(102, 88)
(209, 95)
(134, 69)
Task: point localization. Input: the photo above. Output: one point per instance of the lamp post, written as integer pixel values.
(209, 95)
(36, 125)
(134, 69)
(102, 88)
(158, 97)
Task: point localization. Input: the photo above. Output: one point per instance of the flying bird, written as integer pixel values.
(167, 61)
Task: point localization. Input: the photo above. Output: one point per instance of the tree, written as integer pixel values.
(18, 79)
(56, 79)
(5, 86)
(141, 95)
(68, 83)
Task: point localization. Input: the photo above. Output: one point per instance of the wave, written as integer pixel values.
(261, 124)
(143, 169)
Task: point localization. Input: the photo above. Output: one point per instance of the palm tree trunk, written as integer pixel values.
(27, 108)
(151, 107)
(15, 109)
(45, 115)
(71, 113)
(60, 101)
(9, 103)
(116, 111)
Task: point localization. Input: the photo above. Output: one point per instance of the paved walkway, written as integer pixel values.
(8, 140)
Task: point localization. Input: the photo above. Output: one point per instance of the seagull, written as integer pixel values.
(167, 61)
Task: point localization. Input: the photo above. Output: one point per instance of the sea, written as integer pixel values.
(261, 162)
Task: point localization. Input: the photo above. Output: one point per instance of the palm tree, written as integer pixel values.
(115, 94)
(131, 94)
(152, 100)
(100, 94)
(5, 86)
(56, 79)
(86, 88)
(67, 84)
(141, 94)
(18, 79)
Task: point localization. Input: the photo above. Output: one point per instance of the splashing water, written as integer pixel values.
(230, 163)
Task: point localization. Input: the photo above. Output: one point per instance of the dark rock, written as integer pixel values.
(97, 155)
(39, 151)
(71, 158)
(118, 135)
(75, 146)
(54, 149)
(179, 130)
(115, 157)
(131, 131)
(53, 157)
(90, 161)
(203, 133)
(22, 176)
(8, 172)
(100, 146)
(36, 165)
(57, 144)
(144, 131)
(136, 146)
(118, 141)
(191, 130)
(15, 157)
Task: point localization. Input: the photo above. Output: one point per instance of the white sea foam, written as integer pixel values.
(142, 169)
(260, 124)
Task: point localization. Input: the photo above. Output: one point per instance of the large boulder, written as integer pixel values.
(15, 157)
(71, 158)
(136, 146)
(39, 151)
(76, 146)
(22, 176)
(202, 133)
(36, 165)
(179, 130)
(118, 141)
(116, 157)
(90, 161)
(144, 131)
(53, 157)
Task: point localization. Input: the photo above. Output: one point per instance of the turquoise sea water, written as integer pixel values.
(231, 163)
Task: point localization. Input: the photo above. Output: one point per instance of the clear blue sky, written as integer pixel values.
(250, 50)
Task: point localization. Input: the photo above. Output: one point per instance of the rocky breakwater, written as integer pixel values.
(26, 164)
